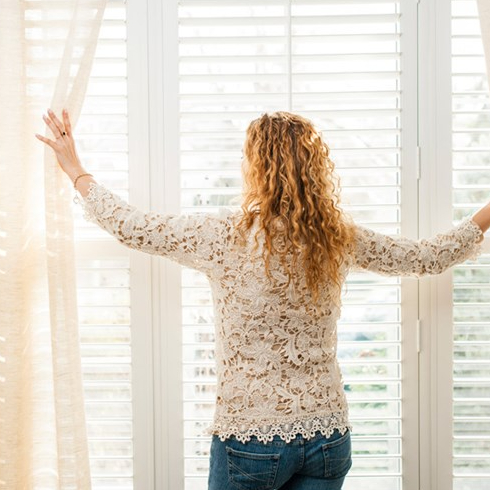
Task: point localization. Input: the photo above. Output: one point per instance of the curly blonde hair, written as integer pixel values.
(289, 179)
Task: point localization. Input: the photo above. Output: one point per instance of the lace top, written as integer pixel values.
(277, 370)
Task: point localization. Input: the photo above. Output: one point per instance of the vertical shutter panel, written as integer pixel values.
(103, 265)
(337, 63)
(346, 76)
(471, 291)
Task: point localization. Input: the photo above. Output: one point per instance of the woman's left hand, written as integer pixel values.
(64, 145)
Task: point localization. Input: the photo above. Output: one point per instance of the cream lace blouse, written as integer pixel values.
(277, 369)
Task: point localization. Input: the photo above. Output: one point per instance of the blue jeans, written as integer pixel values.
(320, 463)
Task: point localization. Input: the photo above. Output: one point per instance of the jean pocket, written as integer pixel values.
(337, 455)
(252, 471)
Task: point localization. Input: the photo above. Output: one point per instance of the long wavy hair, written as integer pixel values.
(291, 188)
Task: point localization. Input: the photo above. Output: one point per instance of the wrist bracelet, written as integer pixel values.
(75, 181)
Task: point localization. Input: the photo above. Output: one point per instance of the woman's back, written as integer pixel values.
(275, 350)
(275, 345)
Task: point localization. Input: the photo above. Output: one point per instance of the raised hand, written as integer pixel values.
(64, 144)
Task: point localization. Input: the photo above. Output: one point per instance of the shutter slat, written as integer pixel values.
(240, 3)
(272, 20)
(239, 58)
(314, 39)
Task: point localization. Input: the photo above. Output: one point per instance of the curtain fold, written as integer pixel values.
(484, 13)
(46, 55)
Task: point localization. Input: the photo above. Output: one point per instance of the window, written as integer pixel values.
(338, 63)
(352, 67)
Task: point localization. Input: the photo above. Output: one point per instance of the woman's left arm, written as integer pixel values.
(191, 240)
(65, 150)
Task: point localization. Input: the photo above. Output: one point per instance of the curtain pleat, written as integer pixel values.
(484, 13)
(46, 54)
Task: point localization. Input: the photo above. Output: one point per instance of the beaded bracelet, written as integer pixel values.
(75, 181)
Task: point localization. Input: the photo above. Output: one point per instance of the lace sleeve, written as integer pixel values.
(191, 240)
(401, 256)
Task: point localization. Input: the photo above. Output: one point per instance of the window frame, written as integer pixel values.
(145, 342)
(153, 138)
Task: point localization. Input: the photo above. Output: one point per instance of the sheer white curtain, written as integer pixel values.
(484, 12)
(46, 53)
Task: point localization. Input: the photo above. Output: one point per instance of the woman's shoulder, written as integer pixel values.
(220, 222)
(228, 213)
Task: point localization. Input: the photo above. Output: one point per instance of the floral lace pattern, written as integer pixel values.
(402, 256)
(277, 368)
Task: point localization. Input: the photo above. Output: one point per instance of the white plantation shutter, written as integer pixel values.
(471, 290)
(346, 75)
(338, 63)
(103, 265)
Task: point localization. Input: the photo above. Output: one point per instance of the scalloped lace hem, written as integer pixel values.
(288, 431)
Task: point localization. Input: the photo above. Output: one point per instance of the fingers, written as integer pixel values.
(66, 119)
(54, 129)
(57, 123)
(57, 127)
(46, 140)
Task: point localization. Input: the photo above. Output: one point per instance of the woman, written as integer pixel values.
(276, 269)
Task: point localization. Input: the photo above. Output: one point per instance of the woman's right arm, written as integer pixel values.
(482, 218)
(401, 256)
